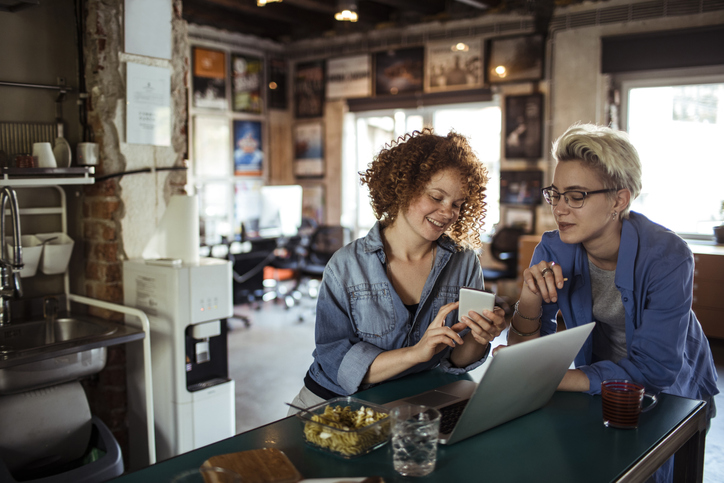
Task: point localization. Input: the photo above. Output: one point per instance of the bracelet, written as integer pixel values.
(527, 318)
(523, 334)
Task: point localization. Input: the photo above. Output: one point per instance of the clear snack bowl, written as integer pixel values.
(343, 433)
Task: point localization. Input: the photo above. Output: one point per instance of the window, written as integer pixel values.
(677, 124)
(366, 133)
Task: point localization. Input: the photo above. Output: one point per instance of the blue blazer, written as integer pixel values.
(667, 349)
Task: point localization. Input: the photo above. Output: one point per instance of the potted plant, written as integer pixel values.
(719, 230)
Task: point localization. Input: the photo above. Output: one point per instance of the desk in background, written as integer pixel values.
(708, 303)
(565, 441)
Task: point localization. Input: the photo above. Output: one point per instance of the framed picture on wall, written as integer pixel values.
(248, 148)
(451, 65)
(246, 80)
(313, 202)
(515, 59)
(521, 187)
(349, 77)
(520, 217)
(277, 85)
(309, 89)
(209, 78)
(309, 150)
(399, 71)
(524, 126)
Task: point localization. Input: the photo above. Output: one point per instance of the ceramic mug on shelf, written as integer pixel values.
(43, 152)
(87, 154)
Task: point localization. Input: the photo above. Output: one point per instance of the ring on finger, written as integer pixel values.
(544, 271)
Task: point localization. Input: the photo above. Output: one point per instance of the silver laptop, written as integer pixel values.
(520, 379)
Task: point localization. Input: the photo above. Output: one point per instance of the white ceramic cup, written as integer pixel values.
(44, 154)
(87, 154)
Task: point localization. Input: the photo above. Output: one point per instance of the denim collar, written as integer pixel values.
(373, 241)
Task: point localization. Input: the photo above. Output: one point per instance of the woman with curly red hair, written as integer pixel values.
(388, 302)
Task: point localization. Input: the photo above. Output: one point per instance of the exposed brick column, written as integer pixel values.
(103, 203)
(104, 281)
(103, 206)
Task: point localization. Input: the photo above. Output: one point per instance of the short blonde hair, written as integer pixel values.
(607, 151)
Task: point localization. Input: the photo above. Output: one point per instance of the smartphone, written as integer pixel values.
(476, 300)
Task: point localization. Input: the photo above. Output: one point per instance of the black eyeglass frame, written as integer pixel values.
(582, 193)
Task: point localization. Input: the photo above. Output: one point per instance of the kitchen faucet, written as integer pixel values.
(10, 286)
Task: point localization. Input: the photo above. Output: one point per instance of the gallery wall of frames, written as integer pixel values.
(232, 92)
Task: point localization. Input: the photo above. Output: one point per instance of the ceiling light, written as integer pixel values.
(261, 3)
(460, 47)
(501, 71)
(346, 11)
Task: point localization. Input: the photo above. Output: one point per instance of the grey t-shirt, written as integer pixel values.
(609, 335)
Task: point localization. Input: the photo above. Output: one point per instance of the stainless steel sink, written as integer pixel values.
(40, 353)
(41, 333)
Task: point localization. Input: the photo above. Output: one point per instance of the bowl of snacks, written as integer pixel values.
(346, 426)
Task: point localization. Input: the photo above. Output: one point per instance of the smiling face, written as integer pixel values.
(592, 223)
(438, 206)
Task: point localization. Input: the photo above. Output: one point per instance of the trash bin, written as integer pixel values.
(102, 462)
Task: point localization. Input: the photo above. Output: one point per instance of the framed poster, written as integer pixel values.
(277, 86)
(313, 202)
(524, 126)
(209, 78)
(349, 77)
(451, 65)
(515, 59)
(309, 89)
(211, 147)
(523, 218)
(309, 150)
(521, 187)
(399, 71)
(248, 153)
(246, 79)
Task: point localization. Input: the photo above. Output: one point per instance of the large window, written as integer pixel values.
(366, 133)
(677, 126)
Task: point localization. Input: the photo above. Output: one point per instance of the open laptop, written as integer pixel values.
(520, 379)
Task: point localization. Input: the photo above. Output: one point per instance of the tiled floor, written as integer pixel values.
(269, 359)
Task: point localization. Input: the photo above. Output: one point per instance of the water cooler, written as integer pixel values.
(187, 305)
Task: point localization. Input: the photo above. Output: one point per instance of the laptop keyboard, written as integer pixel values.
(450, 415)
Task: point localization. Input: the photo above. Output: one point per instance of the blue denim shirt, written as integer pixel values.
(667, 349)
(359, 314)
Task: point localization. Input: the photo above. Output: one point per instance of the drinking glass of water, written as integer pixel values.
(414, 439)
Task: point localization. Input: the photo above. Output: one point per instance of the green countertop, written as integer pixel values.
(565, 441)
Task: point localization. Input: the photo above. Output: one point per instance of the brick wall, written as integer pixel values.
(103, 204)
(104, 281)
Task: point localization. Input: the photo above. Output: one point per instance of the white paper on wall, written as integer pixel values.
(148, 28)
(148, 105)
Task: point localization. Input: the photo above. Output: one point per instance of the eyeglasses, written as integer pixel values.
(574, 198)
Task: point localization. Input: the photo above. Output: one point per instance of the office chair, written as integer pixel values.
(248, 278)
(504, 248)
(325, 241)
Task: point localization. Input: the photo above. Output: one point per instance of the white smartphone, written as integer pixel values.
(476, 300)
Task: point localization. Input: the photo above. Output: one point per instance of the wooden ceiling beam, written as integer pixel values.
(426, 8)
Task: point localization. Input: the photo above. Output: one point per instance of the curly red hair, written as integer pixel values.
(401, 171)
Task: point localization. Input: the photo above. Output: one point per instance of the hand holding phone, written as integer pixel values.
(476, 300)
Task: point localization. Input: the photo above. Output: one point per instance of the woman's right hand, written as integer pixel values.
(543, 279)
(438, 335)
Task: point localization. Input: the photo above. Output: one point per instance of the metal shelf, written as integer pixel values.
(29, 177)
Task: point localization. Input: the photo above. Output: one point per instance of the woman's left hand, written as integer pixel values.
(486, 326)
